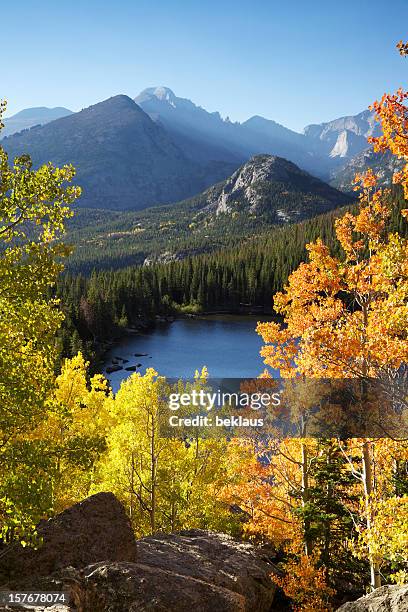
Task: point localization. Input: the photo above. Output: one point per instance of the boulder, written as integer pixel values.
(116, 587)
(96, 529)
(389, 598)
(214, 558)
(113, 368)
(195, 569)
(90, 552)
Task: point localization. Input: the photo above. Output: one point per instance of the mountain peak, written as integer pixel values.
(123, 159)
(41, 112)
(164, 94)
(258, 120)
(120, 109)
(120, 100)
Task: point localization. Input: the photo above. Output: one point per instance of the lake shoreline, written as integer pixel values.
(149, 325)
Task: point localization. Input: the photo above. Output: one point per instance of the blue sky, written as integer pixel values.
(297, 62)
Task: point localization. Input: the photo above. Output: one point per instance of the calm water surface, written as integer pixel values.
(227, 345)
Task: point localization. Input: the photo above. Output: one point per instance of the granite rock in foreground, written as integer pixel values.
(89, 550)
(389, 598)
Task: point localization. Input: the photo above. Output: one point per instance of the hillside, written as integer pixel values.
(265, 192)
(124, 160)
(274, 188)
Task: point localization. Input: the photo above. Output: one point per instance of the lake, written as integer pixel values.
(228, 345)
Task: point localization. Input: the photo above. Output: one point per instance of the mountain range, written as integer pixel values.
(29, 117)
(344, 137)
(124, 160)
(204, 135)
(160, 148)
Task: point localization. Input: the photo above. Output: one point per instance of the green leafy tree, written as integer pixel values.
(33, 207)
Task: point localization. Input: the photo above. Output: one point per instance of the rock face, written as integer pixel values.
(194, 569)
(94, 530)
(128, 586)
(385, 599)
(383, 164)
(89, 551)
(346, 136)
(274, 187)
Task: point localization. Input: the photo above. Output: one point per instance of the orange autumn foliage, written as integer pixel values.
(323, 336)
(306, 585)
(347, 317)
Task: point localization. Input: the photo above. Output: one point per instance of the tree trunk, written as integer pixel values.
(305, 499)
(153, 478)
(375, 576)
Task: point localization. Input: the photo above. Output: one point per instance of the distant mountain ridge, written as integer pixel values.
(346, 136)
(124, 160)
(205, 135)
(29, 117)
(320, 149)
(161, 148)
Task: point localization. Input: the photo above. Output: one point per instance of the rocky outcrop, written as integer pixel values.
(269, 183)
(389, 598)
(116, 587)
(94, 530)
(225, 562)
(90, 552)
(194, 569)
(383, 164)
(345, 136)
(169, 256)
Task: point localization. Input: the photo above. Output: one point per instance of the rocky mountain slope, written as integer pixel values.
(383, 164)
(203, 136)
(344, 137)
(123, 159)
(29, 117)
